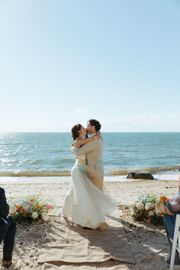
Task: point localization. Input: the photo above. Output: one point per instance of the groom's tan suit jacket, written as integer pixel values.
(93, 152)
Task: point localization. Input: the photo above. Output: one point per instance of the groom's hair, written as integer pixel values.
(96, 124)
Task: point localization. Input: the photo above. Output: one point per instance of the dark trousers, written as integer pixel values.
(169, 223)
(7, 234)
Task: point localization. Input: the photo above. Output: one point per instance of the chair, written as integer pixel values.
(175, 242)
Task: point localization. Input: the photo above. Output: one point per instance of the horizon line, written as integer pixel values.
(138, 131)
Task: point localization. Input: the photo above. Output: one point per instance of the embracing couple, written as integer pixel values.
(86, 203)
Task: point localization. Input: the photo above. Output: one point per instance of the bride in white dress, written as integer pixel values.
(85, 204)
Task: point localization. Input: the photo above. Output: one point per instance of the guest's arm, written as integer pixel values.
(173, 206)
(4, 207)
(167, 210)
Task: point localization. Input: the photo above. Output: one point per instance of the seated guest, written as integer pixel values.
(7, 230)
(171, 209)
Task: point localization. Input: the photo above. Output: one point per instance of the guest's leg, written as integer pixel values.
(3, 230)
(9, 240)
(169, 223)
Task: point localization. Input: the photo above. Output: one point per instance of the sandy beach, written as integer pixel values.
(148, 243)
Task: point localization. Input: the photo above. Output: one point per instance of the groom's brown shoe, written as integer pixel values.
(103, 227)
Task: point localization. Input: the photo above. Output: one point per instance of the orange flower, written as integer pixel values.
(163, 199)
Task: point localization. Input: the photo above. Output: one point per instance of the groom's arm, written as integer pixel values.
(89, 147)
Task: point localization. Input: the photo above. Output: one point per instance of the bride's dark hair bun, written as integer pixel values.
(75, 131)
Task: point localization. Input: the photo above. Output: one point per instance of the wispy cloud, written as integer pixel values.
(80, 111)
(143, 122)
(139, 122)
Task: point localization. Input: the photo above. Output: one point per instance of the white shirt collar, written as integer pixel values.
(91, 135)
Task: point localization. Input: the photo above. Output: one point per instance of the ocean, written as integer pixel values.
(49, 154)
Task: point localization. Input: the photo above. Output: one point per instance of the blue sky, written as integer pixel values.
(65, 61)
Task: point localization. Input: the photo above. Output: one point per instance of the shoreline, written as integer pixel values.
(155, 171)
(56, 180)
(67, 179)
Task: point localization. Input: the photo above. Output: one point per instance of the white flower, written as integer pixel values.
(147, 206)
(151, 213)
(140, 205)
(132, 211)
(26, 207)
(152, 205)
(13, 210)
(34, 215)
(158, 211)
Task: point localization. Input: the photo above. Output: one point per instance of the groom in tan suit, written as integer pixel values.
(93, 152)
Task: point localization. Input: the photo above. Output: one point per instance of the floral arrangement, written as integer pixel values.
(30, 209)
(161, 204)
(149, 208)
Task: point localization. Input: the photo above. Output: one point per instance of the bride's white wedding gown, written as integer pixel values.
(84, 203)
